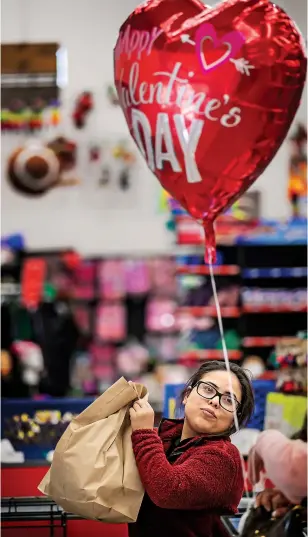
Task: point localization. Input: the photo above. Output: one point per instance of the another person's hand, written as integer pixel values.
(142, 414)
(255, 466)
(273, 501)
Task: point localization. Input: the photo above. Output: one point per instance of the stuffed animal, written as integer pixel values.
(35, 168)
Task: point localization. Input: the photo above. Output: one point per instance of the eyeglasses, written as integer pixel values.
(207, 391)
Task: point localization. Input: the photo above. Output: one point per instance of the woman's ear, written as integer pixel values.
(187, 393)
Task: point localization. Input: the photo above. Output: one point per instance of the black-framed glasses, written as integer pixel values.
(227, 401)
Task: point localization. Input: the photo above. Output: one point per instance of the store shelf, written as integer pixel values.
(260, 341)
(210, 311)
(209, 354)
(282, 272)
(263, 308)
(218, 270)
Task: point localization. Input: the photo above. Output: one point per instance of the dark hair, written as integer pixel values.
(302, 434)
(246, 408)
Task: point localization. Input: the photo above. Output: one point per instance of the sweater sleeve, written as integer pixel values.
(285, 463)
(205, 480)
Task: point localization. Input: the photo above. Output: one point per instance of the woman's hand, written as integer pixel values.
(273, 501)
(142, 414)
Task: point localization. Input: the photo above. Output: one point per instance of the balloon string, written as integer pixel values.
(226, 359)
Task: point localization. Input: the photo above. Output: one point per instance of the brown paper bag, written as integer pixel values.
(93, 472)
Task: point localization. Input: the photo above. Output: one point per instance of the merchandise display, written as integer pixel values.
(132, 315)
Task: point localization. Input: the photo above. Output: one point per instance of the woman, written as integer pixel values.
(191, 472)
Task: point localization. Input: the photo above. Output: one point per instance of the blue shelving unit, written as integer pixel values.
(38, 447)
(279, 272)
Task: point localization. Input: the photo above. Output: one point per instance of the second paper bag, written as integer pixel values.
(94, 473)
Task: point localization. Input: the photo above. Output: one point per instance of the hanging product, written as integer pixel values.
(27, 119)
(160, 315)
(84, 105)
(127, 159)
(111, 279)
(111, 323)
(105, 177)
(137, 276)
(124, 179)
(94, 153)
(112, 96)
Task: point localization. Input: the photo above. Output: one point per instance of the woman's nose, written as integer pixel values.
(215, 401)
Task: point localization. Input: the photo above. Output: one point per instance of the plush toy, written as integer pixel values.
(35, 168)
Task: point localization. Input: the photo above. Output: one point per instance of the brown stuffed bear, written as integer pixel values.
(35, 168)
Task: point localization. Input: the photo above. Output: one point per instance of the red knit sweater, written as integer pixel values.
(188, 486)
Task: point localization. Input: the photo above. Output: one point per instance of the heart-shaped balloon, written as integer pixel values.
(209, 95)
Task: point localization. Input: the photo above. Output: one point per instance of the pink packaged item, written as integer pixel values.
(163, 275)
(132, 359)
(111, 322)
(82, 316)
(102, 361)
(160, 315)
(111, 278)
(84, 280)
(137, 277)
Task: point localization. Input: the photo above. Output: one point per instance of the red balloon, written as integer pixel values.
(209, 95)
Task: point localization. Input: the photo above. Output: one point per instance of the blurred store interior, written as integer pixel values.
(103, 273)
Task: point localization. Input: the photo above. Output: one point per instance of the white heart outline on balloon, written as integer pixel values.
(208, 66)
(234, 40)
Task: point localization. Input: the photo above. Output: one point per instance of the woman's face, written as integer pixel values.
(206, 416)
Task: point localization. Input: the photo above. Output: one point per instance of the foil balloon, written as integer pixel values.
(209, 95)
